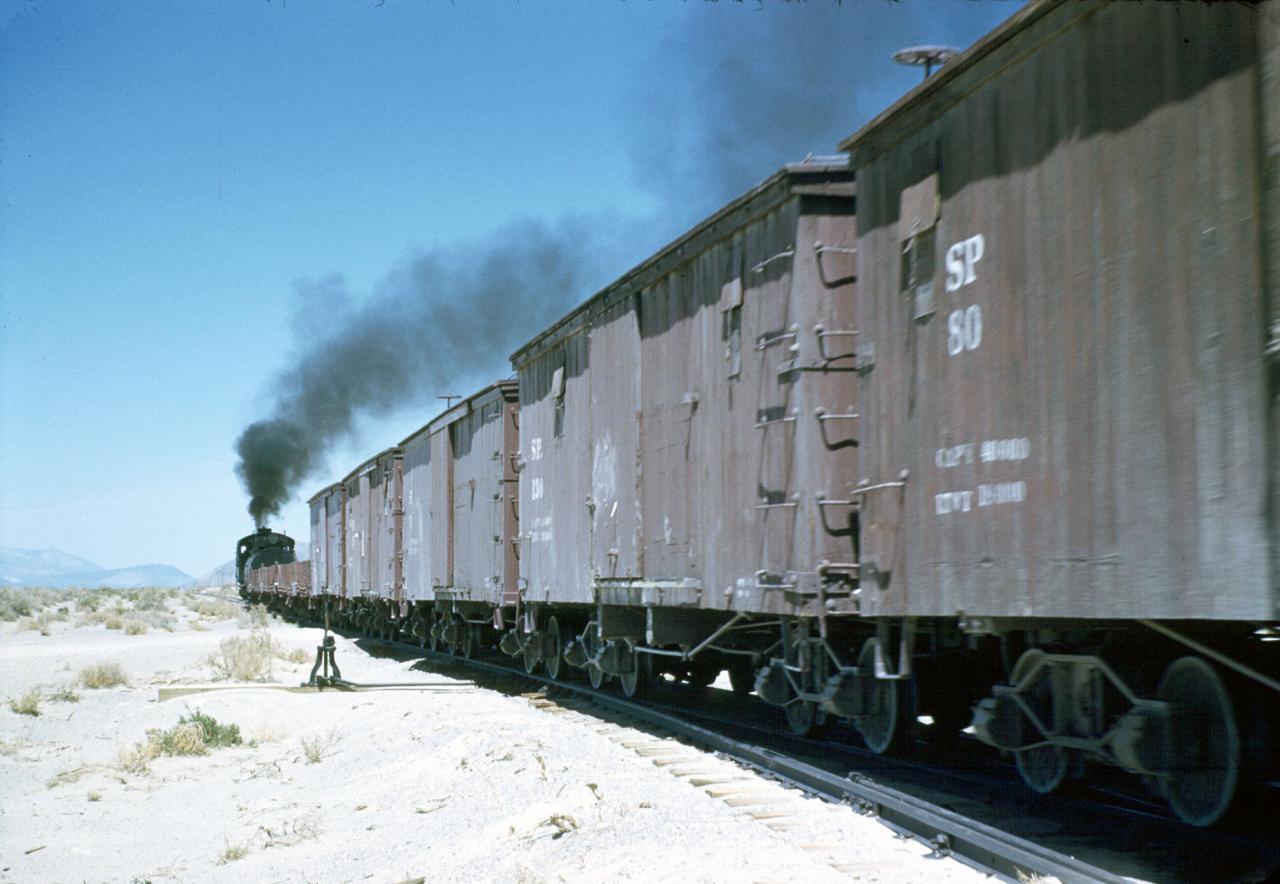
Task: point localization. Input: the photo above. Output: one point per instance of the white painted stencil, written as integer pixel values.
(961, 260)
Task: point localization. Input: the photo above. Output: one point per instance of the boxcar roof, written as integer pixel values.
(504, 387)
(322, 492)
(821, 176)
(369, 463)
(957, 78)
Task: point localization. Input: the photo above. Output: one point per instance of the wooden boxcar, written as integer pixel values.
(318, 563)
(372, 552)
(1067, 250)
(685, 435)
(461, 518)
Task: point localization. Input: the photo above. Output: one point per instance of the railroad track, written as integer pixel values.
(973, 810)
(943, 830)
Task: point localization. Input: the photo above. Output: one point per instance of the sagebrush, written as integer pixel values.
(103, 675)
(27, 704)
(194, 734)
(244, 658)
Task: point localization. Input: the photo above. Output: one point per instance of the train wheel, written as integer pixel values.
(432, 639)
(1205, 765)
(531, 658)
(555, 648)
(801, 716)
(1045, 767)
(591, 644)
(886, 726)
(460, 629)
(742, 674)
(637, 680)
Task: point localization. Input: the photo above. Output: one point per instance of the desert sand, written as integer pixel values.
(458, 784)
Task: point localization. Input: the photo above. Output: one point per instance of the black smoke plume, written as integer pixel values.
(752, 85)
(438, 318)
(744, 88)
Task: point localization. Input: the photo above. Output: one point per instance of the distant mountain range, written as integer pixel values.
(223, 575)
(53, 567)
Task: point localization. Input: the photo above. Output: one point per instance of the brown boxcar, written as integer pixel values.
(362, 537)
(335, 539)
(318, 563)
(1067, 294)
(461, 516)
(685, 435)
(300, 581)
(388, 494)
(1074, 378)
(372, 572)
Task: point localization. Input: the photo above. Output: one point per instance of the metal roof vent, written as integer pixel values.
(928, 56)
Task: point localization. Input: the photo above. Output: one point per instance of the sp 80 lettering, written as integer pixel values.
(964, 330)
(964, 326)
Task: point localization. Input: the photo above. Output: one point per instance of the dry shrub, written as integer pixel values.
(314, 749)
(197, 625)
(290, 832)
(113, 621)
(561, 822)
(216, 609)
(162, 619)
(257, 617)
(134, 627)
(212, 732)
(152, 598)
(27, 704)
(184, 739)
(95, 796)
(103, 675)
(48, 597)
(71, 776)
(14, 604)
(232, 852)
(297, 655)
(91, 617)
(244, 658)
(18, 603)
(65, 694)
(38, 623)
(194, 734)
(136, 759)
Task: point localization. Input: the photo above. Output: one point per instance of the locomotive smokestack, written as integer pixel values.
(436, 320)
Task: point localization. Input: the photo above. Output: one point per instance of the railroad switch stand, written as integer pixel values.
(325, 660)
(324, 663)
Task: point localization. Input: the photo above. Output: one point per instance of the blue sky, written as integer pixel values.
(172, 174)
